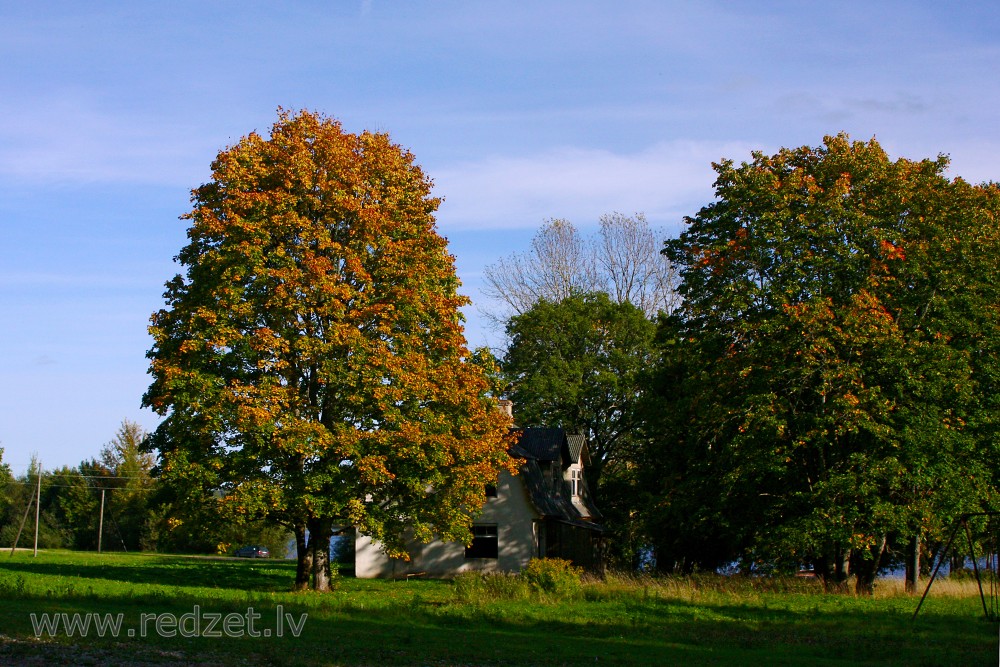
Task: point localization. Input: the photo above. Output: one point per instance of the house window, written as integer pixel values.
(576, 481)
(485, 543)
(491, 490)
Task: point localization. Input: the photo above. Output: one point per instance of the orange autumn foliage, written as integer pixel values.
(315, 345)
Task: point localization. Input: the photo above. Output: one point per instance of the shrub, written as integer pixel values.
(553, 576)
(481, 587)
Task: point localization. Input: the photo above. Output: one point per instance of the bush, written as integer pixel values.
(553, 576)
(544, 579)
(479, 587)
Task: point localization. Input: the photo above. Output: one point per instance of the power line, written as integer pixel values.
(79, 475)
(75, 486)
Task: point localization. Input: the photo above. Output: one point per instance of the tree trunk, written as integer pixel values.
(956, 564)
(913, 565)
(303, 555)
(867, 569)
(320, 531)
(834, 568)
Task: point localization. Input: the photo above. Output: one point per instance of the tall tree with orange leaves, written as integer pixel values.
(311, 362)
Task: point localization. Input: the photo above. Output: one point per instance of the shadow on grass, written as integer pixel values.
(655, 633)
(786, 639)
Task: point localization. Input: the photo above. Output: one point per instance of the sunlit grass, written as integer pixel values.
(943, 587)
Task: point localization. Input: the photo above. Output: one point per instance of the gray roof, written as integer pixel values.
(550, 444)
(540, 448)
(540, 444)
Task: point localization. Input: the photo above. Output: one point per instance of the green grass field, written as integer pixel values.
(707, 621)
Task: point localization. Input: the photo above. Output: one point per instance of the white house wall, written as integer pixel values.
(517, 538)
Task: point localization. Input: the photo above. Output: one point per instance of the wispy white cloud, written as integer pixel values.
(665, 181)
(836, 104)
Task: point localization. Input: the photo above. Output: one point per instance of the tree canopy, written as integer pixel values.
(835, 358)
(4, 468)
(311, 360)
(576, 363)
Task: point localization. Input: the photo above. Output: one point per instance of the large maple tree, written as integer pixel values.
(311, 361)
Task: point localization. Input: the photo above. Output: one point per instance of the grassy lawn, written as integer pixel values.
(710, 621)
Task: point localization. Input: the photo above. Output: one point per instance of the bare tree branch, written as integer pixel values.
(623, 260)
(631, 266)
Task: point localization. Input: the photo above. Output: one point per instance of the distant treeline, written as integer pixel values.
(139, 514)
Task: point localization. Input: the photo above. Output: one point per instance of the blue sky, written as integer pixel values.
(521, 111)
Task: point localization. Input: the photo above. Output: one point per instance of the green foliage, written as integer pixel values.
(832, 372)
(7, 490)
(71, 499)
(74, 501)
(20, 510)
(576, 363)
(5, 475)
(553, 576)
(543, 579)
(187, 527)
(274, 537)
(486, 587)
(483, 358)
(127, 457)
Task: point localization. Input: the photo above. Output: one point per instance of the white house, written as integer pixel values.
(544, 511)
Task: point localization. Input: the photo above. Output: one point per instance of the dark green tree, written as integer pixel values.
(684, 514)
(578, 363)
(74, 501)
(10, 502)
(123, 471)
(6, 489)
(22, 490)
(841, 310)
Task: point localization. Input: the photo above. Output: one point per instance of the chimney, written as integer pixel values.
(507, 407)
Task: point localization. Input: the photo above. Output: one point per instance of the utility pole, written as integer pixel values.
(24, 519)
(38, 500)
(100, 525)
